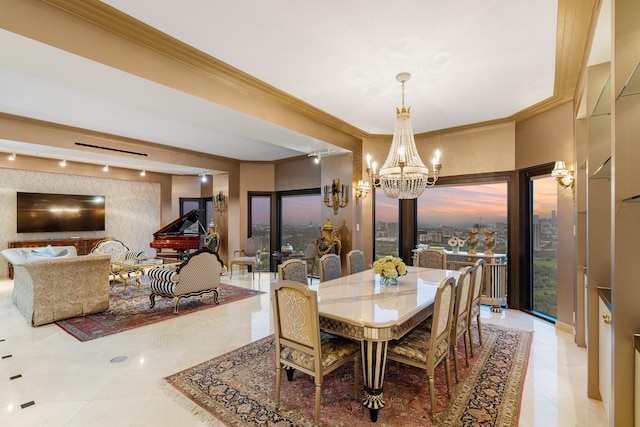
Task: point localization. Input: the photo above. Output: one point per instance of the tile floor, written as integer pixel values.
(76, 384)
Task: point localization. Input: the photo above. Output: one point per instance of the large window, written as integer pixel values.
(544, 245)
(387, 225)
(447, 211)
(299, 216)
(260, 224)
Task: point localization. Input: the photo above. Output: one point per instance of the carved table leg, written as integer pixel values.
(374, 358)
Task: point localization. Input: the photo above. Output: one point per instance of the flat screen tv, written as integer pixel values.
(43, 212)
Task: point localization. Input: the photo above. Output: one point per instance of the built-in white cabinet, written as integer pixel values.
(604, 346)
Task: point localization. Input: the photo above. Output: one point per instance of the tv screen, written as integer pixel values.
(42, 212)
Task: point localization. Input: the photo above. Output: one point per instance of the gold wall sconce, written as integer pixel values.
(362, 189)
(563, 175)
(220, 202)
(336, 195)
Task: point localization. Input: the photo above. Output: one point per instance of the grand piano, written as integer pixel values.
(179, 237)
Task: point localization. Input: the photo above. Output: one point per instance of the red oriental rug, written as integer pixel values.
(238, 389)
(128, 311)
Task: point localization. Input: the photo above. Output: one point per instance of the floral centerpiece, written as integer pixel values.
(456, 243)
(389, 268)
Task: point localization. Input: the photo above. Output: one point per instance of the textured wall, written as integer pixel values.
(132, 208)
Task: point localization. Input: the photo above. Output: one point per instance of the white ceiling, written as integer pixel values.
(470, 62)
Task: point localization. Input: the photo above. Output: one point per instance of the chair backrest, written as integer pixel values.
(296, 322)
(355, 261)
(112, 247)
(442, 318)
(330, 267)
(477, 281)
(432, 258)
(294, 270)
(252, 246)
(463, 294)
(201, 270)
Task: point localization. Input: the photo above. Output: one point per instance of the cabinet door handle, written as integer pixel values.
(607, 318)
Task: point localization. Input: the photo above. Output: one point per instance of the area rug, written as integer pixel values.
(238, 389)
(129, 311)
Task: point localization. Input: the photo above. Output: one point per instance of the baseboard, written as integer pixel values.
(565, 327)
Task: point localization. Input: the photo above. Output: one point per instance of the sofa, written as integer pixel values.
(52, 289)
(17, 256)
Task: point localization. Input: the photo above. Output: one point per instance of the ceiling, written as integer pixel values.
(470, 62)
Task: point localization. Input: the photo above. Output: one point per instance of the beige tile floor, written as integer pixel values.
(76, 384)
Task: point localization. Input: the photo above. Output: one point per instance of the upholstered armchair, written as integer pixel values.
(249, 256)
(197, 275)
(118, 252)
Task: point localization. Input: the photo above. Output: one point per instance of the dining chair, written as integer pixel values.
(299, 343)
(427, 348)
(355, 261)
(330, 267)
(477, 281)
(293, 269)
(248, 256)
(460, 326)
(431, 258)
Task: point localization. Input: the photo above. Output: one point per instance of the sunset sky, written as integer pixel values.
(486, 203)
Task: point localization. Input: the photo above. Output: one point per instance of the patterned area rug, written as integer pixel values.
(238, 389)
(128, 311)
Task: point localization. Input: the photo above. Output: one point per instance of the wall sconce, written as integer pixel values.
(220, 203)
(362, 189)
(12, 156)
(336, 196)
(563, 175)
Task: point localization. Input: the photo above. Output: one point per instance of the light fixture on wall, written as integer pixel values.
(63, 163)
(12, 156)
(563, 175)
(403, 175)
(362, 189)
(336, 195)
(220, 202)
(105, 168)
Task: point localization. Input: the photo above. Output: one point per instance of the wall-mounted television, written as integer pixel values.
(44, 212)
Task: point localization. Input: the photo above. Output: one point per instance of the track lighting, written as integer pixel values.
(63, 163)
(203, 177)
(106, 168)
(318, 155)
(143, 173)
(12, 156)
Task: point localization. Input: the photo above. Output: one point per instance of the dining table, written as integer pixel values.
(359, 307)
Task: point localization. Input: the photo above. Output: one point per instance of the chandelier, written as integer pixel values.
(403, 175)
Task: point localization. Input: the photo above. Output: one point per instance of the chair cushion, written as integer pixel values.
(415, 346)
(334, 348)
(244, 260)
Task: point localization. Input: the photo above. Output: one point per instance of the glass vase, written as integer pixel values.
(388, 280)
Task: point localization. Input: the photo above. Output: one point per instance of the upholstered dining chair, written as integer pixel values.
(427, 348)
(293, 269)
(355, 261)
(460, 326)
(431, 258)
(299, 343)
(477, 283)
(249, 256)
(330, 267)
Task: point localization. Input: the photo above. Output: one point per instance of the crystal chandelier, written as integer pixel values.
(403, 175)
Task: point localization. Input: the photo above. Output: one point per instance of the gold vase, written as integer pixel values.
(489, 242)
(472, 241)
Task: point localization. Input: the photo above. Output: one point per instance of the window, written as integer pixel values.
(387, 225)
(299, 218)
(447, 211)
(260, 224)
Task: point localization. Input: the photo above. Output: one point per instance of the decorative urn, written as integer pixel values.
(286, 249)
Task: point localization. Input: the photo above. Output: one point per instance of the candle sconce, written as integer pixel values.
(336, 195)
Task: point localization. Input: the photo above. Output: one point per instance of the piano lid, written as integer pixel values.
(186, 224)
